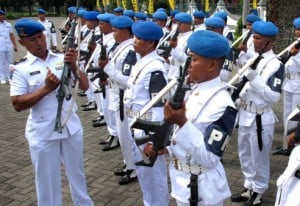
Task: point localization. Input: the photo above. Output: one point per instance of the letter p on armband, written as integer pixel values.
(215, 135)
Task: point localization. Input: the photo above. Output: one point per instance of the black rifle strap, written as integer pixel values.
(194, 190)
(259, 131)
(121, 105)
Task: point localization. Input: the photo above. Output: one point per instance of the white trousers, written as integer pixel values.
(5, 60)
(153, 180)
(46, 157)
(125, 139)
(109, 115)
(290, 102)
(255, 164)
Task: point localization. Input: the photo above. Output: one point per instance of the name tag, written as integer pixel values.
(34, 73)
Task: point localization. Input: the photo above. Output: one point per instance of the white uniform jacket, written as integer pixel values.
(205, 104)
(114, 70)
(137, 94)
(292, 69)
(178, 54)
(49, 32)
(288, 184)
(259, 93)
(245, 56)
(28, 77)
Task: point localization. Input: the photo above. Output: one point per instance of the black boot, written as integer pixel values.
(242, 196)
(129, 177)
(255, 200)
(113, 143)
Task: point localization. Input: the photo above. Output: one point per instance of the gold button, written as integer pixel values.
(174, 142)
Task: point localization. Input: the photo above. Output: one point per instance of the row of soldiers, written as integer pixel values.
(130, 61)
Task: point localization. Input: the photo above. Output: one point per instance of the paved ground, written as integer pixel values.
(17, 180)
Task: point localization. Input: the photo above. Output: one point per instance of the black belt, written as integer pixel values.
(259, 130)
(194, 190)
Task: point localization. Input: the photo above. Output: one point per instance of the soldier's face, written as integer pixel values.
(297, 32)
(201, 69)
(262, 43)
(35, 44)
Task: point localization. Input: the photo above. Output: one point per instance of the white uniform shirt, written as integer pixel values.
(289, 185)
(114, 70)
(5, 41)
(200, 27)
(262, 97)
(49, 32)
(205, 104)
(137, 94)
(245, 56)
(292, 66)
(28, 77)
(178, 54)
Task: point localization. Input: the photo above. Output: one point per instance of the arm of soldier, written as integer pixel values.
(189, 140)
(268, 85)
(25, 101)
(71, 57)
(13, 40)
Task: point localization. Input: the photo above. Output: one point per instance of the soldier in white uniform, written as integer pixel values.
(7, 43)
(148, 77)
(291, 84)
(246, 47)
(34, 86)
(118, 70)
(50, 31)
(199, 20)
(262, 88)
(203, 124)
(226, 31)
(179, 47)
(288, 184)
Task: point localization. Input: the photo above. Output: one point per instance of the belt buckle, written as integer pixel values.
(175, 162)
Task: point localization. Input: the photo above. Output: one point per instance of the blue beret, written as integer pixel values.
(161, 10)
(147, 30)
(160, 16)
(91, 15)
(72, 9)
(254, 11)
(296, 23)
(265, 28)
(105, 17)
(129, 13)
(183, 17)
(140, 15)
(118, 9)
(174, 12)
(81, 12)
(214, 22)
(208, 44)
(41, 11)
(199, 14)
(121, 22)
(28, 27)
(221, 14)
(252, 18)
(2, 12)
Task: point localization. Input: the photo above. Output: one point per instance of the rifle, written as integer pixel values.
(64, 90)
(164, 49)
(159, 131)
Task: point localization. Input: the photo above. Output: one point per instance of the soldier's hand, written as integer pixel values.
(102, 62)
(51, 81)
(243, 47)
(294, 50)
(173, 43)
(71, 56)
(175, 116)
(149, 151)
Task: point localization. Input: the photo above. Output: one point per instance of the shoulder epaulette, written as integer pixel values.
(19, 61)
